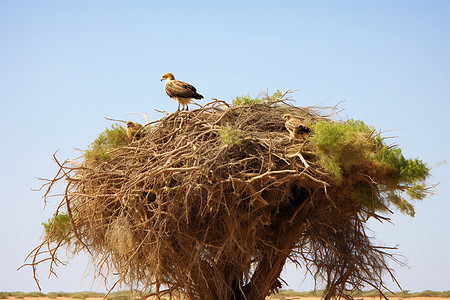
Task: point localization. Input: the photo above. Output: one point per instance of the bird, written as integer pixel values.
(180, 91)
(297, 129)
(134, 131)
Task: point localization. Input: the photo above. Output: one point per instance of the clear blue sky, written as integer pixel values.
(65, 65)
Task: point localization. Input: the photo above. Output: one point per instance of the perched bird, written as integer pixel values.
(134, 131)
(297, 129)
(180, 91)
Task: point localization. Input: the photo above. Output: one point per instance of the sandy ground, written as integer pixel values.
(291, 298)
(370, 298)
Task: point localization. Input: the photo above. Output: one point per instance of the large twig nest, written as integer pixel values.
(212, 202)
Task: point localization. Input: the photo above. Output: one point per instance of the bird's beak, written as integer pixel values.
(162, 79)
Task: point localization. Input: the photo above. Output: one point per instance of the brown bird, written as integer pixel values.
(134, 131)
(297, 129)
(180, 91)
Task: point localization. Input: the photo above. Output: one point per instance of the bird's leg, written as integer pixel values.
(187, 107)
(178, 106)
(291, 137)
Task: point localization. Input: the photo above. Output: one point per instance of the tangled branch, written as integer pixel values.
(181, 211)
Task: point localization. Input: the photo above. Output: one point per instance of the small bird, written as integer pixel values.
(134, 131)
(180, 91)
(297, 129)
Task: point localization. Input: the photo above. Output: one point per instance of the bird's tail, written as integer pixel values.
(302, 128)
(198, 96)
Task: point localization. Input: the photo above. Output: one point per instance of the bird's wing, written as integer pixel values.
(289, 126)
(180, 89)
(297, 125)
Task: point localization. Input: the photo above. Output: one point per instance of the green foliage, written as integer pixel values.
(55, 295)
(261, 99)
(404, 170)
(84, 295)
(230, 136)
(20, 295)
(125, 295)
(370, 293)
(404, 294)
(245, 100)
(417, 191)
(428, 293)
(344, 147)
(58, 228)
(106, 141)
(34, 294)
(341, 145)
(287, 294)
